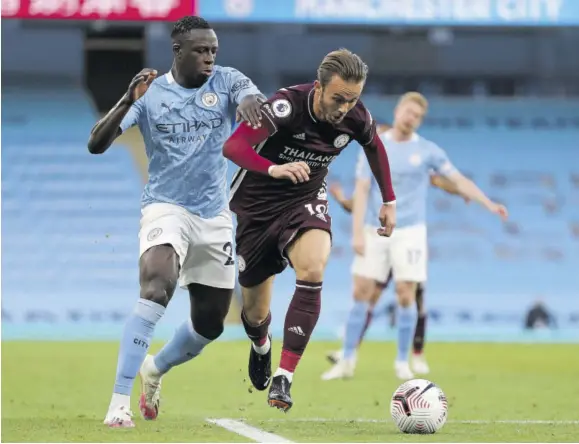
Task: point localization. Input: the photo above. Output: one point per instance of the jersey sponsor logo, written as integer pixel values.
(188, 126)
(209, 99)
(312, 159)
(240, 85)
(281, 108)
(341, 141)
(182, 132)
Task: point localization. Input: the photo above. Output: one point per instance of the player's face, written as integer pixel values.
(195, 55)
(408, 116)
(337, 98)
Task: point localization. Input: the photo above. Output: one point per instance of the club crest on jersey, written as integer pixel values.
(341, 141)
(209, 99)
(281, 108)
(415, 160)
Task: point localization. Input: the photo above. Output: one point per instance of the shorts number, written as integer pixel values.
(319, 209)
(413, 256)
(228, 248)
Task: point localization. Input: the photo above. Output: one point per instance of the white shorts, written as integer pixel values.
(204, 246)
(405, 253)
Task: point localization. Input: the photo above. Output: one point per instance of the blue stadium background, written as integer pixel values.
(504, 105)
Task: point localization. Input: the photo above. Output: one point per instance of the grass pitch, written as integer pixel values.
(58, 392)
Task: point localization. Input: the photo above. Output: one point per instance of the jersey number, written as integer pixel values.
(319, 209)
(228, 248)
(413, 256)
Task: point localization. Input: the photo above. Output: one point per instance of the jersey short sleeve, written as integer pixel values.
(439, 162)
(279, 111)
(133, 115)
(365, 125)
(239, 85)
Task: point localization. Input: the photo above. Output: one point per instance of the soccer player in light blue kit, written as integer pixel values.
(186, 227)
(412, 161)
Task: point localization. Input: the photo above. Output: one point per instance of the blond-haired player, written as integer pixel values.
(412, 161)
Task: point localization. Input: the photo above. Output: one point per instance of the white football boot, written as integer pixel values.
(402, 370)
(150, 389)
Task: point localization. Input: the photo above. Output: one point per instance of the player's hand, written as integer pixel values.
(294, 171)
(140, 84)
(337, 191)
(466, 199)
(387, 220)
(359, 243)
(249, 110)
(499, 210)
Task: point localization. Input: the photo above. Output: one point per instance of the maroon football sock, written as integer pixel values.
(300, 321)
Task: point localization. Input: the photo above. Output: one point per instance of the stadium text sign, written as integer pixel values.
(129, 10)
(397, 12)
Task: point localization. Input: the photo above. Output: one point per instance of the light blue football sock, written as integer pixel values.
(135, 343)
(355, 327)
(185, 344)
(406, 323)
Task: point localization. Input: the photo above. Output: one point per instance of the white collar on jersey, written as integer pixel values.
(169, 77)
(388, 135)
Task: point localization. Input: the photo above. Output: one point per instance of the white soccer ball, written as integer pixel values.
(419, 406)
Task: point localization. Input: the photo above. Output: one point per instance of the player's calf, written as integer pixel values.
(419, 364)
(406, 322)
(209, 308)
(256, 319)
(309, 255)
(159, 268)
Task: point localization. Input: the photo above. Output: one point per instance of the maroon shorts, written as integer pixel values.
(261, 247)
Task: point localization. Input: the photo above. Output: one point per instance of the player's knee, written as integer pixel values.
(363, 289)
(406, 293)
(311, 272)
(158, 290)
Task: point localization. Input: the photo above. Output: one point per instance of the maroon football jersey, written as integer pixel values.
(296, 135)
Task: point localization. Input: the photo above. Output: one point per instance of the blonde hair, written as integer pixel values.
(414, 97)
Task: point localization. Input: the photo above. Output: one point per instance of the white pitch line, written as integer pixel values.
(472, 421)
(247, 431)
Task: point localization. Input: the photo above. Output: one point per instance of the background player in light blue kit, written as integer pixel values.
(186, 227)
(412, 160)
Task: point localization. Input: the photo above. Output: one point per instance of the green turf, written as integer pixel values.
(58, 392)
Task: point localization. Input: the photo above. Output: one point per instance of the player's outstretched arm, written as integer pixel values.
(108, 128)
(378, 161)
(446, 185)
(468, 189)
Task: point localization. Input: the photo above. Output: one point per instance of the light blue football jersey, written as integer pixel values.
(411, 164)
(184, 131)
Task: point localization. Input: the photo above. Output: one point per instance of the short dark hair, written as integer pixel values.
(343, 63)
(188, 24)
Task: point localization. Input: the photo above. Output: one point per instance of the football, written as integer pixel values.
(419, 406)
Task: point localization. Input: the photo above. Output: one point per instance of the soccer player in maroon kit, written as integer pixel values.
(280, 199)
